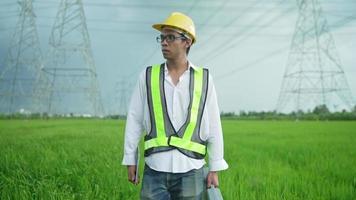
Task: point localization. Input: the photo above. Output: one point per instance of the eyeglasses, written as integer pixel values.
(168, 38)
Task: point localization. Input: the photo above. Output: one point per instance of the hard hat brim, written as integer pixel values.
(159, 27)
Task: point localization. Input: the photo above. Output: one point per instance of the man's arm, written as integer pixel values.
(134, 128)
(215, 139)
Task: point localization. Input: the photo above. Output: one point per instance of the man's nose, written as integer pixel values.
(164, 42)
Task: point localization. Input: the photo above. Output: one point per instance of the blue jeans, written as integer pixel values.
(165, 186)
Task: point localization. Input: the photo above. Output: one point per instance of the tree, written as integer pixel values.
(321, 109)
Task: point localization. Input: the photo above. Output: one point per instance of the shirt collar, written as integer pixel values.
(191, 65)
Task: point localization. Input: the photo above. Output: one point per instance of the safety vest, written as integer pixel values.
(163, 136)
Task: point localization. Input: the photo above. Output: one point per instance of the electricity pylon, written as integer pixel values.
(21, 76)
(121, 95)
(314, 75)
(74, 85)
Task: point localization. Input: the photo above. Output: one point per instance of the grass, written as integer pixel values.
(290, 160)
(81, 159)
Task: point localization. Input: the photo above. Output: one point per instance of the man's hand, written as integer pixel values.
(212, 179)
(131, 171)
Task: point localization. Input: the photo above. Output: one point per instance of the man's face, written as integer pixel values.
(173, 48)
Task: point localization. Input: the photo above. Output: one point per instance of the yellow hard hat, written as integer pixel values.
(180, 21)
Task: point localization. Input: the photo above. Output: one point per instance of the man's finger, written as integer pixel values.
(215, 182)
(212, 179)
(208, 182)
(132, 174)
(136, 182)
(132, 178)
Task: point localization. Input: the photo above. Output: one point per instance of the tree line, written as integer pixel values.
(320, 112)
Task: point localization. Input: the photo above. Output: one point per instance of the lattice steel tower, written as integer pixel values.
(314, 75)
(21, 72)
(74, 85)
(121, 95)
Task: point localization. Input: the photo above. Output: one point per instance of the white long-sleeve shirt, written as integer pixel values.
(177, 98)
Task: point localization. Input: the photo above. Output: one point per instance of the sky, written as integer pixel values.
(244, 43)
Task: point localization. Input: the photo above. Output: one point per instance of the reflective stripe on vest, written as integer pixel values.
(162, 136)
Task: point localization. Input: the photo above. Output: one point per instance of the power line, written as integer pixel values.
(213, 14)
(231, 42)
(314, 74)
(251, 64)
(213, 36)
(22, 76)
(270, 55)
(72, 69)
(7, 4)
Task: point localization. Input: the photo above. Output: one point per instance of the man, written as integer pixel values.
(175, 103)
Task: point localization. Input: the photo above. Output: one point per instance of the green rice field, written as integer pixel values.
(81, 159)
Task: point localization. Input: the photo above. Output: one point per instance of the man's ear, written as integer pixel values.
(189, 42)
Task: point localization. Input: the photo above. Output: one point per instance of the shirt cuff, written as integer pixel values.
(129, 159)
(218, 165)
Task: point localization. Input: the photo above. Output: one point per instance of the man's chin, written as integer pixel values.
(165, 56)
